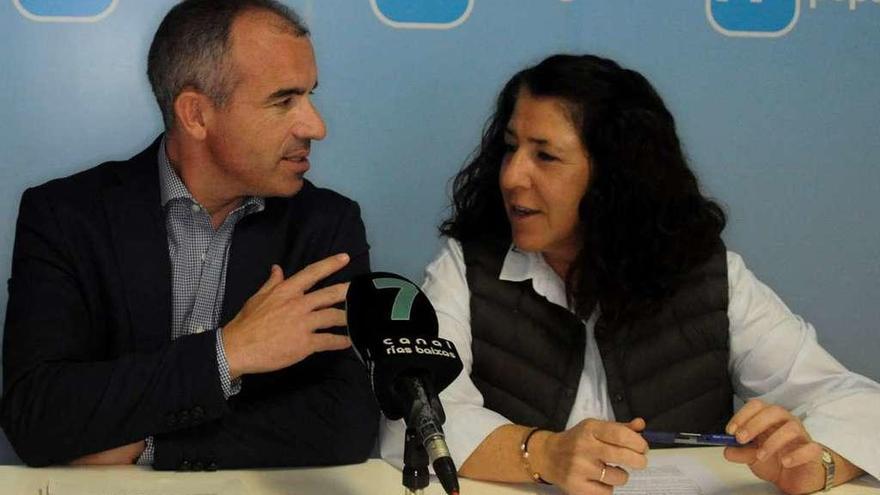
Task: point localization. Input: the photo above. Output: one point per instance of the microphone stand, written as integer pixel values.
(415, 465)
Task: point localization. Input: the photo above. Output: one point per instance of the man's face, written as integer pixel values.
(260, 139)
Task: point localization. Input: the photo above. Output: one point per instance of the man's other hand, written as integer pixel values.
(127, 454)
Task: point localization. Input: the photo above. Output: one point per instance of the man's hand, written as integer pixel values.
(127, 454)
(277, 326)
(584, 459)
(781, 451)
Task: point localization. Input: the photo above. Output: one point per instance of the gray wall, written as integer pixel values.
(782, 129)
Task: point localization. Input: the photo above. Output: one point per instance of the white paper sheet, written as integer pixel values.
(675, 475)
(660, 480)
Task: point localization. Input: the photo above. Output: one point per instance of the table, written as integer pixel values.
(370, 478)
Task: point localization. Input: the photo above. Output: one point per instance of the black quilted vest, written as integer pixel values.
(669, 368)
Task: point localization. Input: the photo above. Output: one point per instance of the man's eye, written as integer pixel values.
(284, 103)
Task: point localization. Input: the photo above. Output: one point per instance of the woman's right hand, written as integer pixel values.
(573, 459)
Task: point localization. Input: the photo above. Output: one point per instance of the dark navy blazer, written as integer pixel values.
(88, 359)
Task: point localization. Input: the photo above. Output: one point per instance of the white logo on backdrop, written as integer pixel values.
(753, 18)
(763, 18)
(422, 14)
(65, 11)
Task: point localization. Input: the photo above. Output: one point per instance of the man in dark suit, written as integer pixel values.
(177, 309)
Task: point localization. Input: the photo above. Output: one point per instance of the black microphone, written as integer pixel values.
(393, 329)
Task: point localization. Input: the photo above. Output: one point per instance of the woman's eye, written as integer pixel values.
(510, 148)
(543, 156)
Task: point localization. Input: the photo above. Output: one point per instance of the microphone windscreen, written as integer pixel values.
(393, 328)
(382, 304)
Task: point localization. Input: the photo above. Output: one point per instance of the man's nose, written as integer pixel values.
(310, 125)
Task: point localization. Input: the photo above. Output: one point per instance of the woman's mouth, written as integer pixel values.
(517, 211)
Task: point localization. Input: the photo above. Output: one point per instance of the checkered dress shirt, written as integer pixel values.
(198, 256)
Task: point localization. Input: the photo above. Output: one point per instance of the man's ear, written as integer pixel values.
(191, 113)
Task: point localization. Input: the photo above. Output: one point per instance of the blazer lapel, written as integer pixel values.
(138, 234)
(255, 246)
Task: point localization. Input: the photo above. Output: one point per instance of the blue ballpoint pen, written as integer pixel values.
(670, 438)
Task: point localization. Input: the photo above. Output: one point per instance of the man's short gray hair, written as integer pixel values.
(191, 48)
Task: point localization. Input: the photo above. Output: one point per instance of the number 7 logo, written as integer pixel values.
(406, 295)
(753, 18)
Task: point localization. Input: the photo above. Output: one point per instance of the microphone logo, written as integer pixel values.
(433, 347)
(401, 310)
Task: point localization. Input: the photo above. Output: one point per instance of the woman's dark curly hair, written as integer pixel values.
(645, 223)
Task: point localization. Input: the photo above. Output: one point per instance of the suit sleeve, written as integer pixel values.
(65, 394)
(320, 411)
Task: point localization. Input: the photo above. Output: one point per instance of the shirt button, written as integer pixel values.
(196, 208)
(200, 329)
(203, 256)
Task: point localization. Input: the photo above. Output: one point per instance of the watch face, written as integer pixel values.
(826, 457)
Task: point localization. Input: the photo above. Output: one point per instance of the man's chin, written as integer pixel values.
(283, 189)
(293, 187)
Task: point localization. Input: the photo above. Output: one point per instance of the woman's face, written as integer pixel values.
(543, 177)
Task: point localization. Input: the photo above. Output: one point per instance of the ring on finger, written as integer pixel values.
(602, 474)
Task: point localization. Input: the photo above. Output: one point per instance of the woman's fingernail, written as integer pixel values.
(761, 454)
(731, 428)
(742, 436)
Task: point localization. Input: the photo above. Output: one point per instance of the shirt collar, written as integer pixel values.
(520, 266)
(172, 187)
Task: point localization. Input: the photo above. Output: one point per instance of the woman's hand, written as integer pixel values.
(577, 460)
(781, 451)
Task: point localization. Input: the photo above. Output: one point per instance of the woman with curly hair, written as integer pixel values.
(586, 286)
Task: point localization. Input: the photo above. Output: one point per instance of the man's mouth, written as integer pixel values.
(297, 157)
(298, 154)
(298, 162)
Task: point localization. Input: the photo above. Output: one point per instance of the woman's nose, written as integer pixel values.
(515, 171)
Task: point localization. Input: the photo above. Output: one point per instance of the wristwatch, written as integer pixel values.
(828, 464)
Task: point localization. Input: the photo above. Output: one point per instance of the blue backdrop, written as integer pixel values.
(777, 103)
